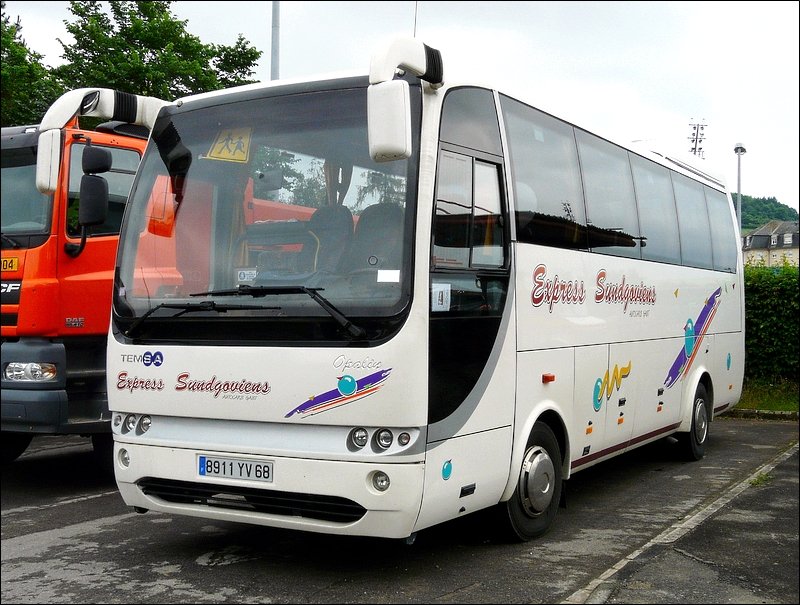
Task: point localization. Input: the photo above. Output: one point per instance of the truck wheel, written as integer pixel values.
(103, 452)
(13, 444)
(694, 442)
(530, 511)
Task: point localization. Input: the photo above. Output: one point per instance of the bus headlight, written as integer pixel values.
(384, 438)
(129, 424)
(359, 437)
(35, 371)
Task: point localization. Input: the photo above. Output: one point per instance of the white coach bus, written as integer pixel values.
(368, 305)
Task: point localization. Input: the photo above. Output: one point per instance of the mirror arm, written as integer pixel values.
(74, 250)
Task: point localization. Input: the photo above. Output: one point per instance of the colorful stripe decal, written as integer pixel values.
(695, 331)
(349, 389)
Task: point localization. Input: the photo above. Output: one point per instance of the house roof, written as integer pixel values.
(777, 228)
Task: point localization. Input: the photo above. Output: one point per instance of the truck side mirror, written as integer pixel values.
(93, 209)
(93, 200)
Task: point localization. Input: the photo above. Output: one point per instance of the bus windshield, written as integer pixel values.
(25, 211)
(271, 208)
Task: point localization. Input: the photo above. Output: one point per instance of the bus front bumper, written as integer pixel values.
(304, 494)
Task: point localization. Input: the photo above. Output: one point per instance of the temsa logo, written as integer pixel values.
(154, 358)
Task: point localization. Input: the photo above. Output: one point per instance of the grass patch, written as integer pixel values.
(761, 479)
(777, 395)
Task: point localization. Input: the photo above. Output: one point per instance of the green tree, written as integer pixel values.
(758, 211)
(385, 188)
(27, 88)
(142, 48)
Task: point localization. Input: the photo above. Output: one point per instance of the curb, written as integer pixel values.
(761, 414)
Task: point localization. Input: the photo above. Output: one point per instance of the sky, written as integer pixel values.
(629, 71)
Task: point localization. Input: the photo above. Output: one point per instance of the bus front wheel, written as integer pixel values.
(694, 442)
(530, 511)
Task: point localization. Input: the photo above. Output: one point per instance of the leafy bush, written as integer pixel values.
(772, 307)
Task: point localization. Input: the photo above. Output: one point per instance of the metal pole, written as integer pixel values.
(739, 150)
(276, 27)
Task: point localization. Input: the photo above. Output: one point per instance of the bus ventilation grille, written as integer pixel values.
(289, 504)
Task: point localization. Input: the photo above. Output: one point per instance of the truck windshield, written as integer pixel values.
(272, 195)
(25, 211)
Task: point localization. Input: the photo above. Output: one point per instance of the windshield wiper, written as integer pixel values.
(10, 241)
(247, 290)
(206, 305)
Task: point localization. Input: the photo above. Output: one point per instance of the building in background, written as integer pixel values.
(770, 244)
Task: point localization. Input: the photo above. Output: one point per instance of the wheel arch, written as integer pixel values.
(547, 414)
(703, 376)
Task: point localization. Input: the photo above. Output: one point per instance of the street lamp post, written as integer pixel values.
(740, 151)
(276, 29)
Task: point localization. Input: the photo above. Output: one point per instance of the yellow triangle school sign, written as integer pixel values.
(231, 145)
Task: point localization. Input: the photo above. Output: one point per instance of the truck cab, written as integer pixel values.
(56, 283)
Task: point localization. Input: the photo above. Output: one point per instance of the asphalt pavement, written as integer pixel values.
(741, 548)
(647, 527)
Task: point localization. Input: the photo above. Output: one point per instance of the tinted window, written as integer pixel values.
(692, 222)
(658, 218)
(723, 235)
(547, 183)
(120, 178)
(469, 119)
(487, 229)
(611, 215)
(453, 211)
(468, 229)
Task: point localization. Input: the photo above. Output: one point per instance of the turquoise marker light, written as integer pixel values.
(447, 470)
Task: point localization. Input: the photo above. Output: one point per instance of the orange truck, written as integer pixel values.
(57, 274)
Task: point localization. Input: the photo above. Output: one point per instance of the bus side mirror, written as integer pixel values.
(48, 160)
(389, 120)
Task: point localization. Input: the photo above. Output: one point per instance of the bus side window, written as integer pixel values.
(693, 223)
(611, 216)
(544, 159)
(468, 227)
(657, 215)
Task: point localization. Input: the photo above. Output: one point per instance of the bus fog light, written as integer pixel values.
(124, 457)
(144, 424)
(359, 437)
(380, 481)
(129, 424)
(403, 439)
(117, 420)
(384, 438)
(30, 372)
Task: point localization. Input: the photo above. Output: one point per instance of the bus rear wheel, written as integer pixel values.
(694, 442)
(530, 511)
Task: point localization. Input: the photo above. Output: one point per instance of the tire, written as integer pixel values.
(13, 445)
(531, 510)
(694, 442)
